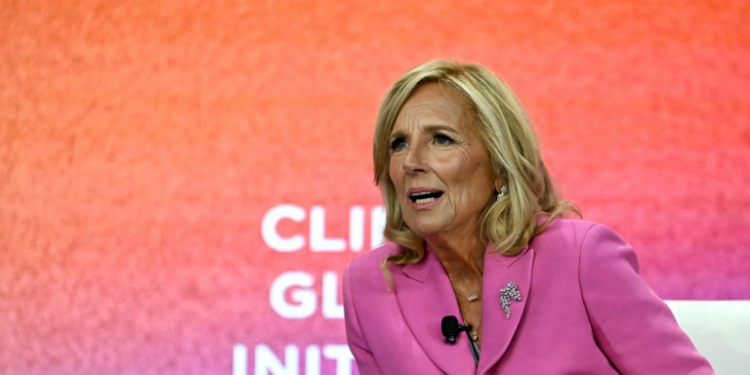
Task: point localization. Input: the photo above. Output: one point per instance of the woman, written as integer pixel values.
(477, 233)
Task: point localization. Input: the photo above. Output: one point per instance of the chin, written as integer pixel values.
(425, 229)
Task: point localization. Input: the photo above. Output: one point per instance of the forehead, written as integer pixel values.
(435, 104)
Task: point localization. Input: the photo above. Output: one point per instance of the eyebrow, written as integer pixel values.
(434, 127)
(427, 129)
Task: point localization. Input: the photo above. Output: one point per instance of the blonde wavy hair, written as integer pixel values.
(503, 125)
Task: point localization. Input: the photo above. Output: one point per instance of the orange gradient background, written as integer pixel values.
(142, 142)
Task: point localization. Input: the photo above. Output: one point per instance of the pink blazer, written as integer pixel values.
(584, 310)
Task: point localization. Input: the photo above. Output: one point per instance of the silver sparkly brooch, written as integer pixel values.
(507, 295)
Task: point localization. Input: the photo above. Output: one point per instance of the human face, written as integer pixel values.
(439, 165)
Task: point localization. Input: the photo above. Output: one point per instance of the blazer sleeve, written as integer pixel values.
(366, 362)
(631, 324)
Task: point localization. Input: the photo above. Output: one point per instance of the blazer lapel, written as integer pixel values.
(425, 296)
(497, 329)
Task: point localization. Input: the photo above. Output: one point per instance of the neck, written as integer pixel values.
(462, 258)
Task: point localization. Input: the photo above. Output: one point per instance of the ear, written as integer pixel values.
(499, 183)
(501, 178)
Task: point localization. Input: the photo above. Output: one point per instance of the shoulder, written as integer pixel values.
(365, 268)
(586, 241)
(372, 259)
(575, 232)
(596, 248)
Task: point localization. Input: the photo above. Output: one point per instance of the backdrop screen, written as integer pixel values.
(183, 182)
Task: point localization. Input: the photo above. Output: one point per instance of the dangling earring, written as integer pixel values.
(503, 192)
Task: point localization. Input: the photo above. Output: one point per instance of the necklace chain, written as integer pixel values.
(470, 298)
(475, 331)
(474, 334)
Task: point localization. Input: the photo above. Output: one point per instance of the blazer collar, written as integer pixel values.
(425, 296)
(497, 328)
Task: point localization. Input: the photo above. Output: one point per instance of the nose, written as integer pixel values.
(414, 161)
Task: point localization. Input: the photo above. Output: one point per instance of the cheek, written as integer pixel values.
(394, 170)
(471, 176)
(458, 168)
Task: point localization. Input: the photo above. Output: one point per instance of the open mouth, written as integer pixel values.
(425, 196)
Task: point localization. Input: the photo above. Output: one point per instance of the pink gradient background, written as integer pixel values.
(142, 142)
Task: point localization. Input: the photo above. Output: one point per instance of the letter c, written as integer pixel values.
(268, 228)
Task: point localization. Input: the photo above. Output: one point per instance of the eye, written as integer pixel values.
(398, 144)
(443, 140)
